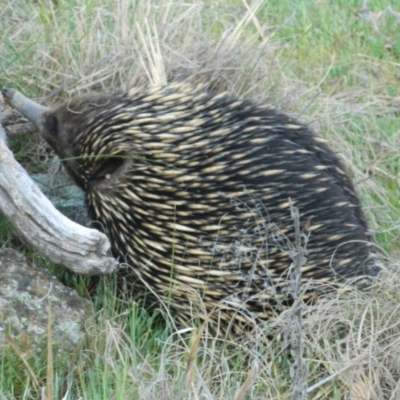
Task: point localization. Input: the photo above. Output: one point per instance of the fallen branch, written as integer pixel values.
(80, 249)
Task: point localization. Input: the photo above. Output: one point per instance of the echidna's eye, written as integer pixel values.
(51, 125)
(107, 169)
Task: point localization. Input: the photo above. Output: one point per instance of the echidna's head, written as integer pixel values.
(63, 128)
(72, 131)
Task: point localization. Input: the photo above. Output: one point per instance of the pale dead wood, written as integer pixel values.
(80, 249)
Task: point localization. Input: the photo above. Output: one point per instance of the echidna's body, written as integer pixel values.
(194, 191)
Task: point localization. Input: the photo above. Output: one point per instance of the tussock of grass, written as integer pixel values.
(352, 348)
(335, 66)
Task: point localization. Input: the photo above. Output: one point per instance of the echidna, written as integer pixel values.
(194, 190)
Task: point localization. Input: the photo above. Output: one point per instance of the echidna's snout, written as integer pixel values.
(34, 112)
(8, 93)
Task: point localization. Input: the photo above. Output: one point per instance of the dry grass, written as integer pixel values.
(344, 84)
(116, 45)
(352, 348)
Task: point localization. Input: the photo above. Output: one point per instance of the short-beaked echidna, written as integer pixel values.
(194, 190)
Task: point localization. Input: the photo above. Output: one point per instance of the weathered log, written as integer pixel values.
(80, 249)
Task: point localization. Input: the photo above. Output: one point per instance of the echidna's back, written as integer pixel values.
(195, 193)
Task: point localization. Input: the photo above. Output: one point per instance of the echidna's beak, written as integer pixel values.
(28, 108)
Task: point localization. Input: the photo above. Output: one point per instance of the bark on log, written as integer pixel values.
(80, 249)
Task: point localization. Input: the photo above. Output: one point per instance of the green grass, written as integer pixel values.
(325, 61)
